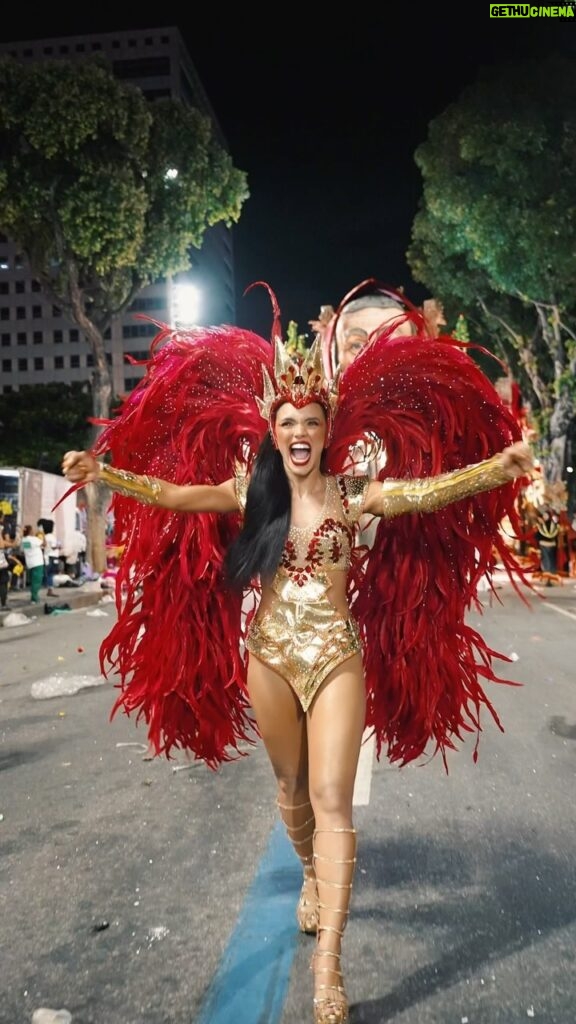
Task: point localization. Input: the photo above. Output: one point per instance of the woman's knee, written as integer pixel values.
(329, 798)
(291, 787)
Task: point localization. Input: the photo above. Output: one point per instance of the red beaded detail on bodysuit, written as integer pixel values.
(326, 550)
(326, 545)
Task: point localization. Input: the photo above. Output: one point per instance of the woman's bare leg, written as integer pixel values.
(335, 727)
(282, 724)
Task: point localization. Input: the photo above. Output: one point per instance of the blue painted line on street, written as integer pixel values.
(251, 982)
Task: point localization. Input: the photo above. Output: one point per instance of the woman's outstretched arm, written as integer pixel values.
(395, 497)
(82, 467)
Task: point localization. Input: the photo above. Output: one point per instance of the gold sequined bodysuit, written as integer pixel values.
(301, 635)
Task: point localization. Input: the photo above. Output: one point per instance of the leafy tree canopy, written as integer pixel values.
(40, 422)
(495, 235)
(499, 190)
(103, 190)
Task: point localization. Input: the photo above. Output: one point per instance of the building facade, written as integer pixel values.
(37, 343)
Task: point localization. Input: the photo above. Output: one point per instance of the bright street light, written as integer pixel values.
(185, 302)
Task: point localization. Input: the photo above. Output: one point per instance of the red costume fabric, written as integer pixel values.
(176, 648)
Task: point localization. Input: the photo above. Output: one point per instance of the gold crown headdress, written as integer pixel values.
(297, 379)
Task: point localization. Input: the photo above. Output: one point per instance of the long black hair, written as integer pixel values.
(258, 548)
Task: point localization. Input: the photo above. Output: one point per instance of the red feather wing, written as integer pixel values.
(176, 645)
(435, 411)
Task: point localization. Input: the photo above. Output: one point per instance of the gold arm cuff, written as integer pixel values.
(143, 488)
(435, 492)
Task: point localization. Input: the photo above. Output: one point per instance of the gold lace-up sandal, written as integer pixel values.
(301, 835)
(334, 861)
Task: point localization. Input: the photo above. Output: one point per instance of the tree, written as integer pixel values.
(37, 422)
(495, 233)
(105, 192)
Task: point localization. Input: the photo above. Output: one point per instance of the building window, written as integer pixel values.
(58, 362)
(141, 67)
(151, 302)
(22, 364)
(58, 336)
(6, 365)
(74, 334)
(108, 334)
(4, 288)
(74, 362)
(35, 286)
(38, 363)
(37, 312)
(7, 389)
(139, 331)
(56, 311)
(19, 287)
(19, 262)
(5, 313)
(20, 312)
(6, 340)
(89, 359)
(64, 48)
(37, 337)
(21, 338)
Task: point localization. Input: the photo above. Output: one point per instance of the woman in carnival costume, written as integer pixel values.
(258, 444)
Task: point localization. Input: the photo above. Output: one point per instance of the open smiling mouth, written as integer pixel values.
(300, 453)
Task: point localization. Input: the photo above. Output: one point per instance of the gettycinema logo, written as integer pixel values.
(530, 11)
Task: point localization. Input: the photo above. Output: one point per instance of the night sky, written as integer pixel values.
(325, 120)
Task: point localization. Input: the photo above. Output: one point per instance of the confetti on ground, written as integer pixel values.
(63, 685)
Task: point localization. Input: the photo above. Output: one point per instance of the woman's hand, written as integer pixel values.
(517, 460)
(80, 467)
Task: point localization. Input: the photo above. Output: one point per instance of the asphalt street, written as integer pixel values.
(124, 882)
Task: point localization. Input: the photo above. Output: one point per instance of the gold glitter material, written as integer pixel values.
(429, 495)
(241, 482)
(145, 489)
(302, 636)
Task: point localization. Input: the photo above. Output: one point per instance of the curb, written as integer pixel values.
(69, 596)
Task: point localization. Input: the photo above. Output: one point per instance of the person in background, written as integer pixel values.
(51, 554)
(33, 550)
(547, 536)
(74, 554)
(6, 562)
(13, 538)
